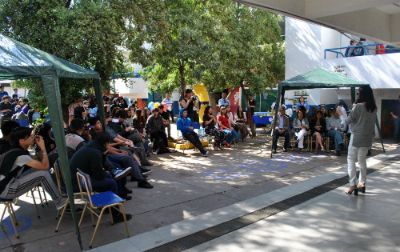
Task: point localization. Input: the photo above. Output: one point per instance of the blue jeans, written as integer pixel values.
(106, 184)
(236, 135)
(229, 138)
(125, 161)
(337, 137)
(397, 129)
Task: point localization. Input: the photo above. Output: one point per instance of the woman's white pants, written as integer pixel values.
(354, 154)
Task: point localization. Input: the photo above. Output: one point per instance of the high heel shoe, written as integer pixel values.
(351, 190)
(361, 188)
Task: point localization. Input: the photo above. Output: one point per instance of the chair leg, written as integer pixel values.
(123, 212)
(34, 202)
(40, 196)
(61, 216)
(45, 197)
(112, 218)
(13, 219)
(83, 214)
(97, 226)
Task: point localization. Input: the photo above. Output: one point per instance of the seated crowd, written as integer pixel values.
(318, 125)
(110, 154)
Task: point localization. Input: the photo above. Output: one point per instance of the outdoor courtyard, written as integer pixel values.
(186, 185)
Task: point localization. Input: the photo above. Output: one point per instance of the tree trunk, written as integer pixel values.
(213, 101)
(182, 78)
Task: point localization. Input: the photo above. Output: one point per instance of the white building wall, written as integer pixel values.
(305, 45)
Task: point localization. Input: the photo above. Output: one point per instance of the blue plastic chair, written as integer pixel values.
(97, 203)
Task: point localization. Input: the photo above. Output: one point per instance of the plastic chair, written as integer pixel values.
(77, 200)
(98, 202)
(8, 206)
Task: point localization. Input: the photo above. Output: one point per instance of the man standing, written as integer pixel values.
(251, 108)
(281, 130)
(188, 103)
(167, 102)
(224, 102)
(396, 117)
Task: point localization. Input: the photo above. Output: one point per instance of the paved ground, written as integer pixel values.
(330, 222)
(186, 185)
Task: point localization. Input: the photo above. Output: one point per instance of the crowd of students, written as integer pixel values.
(318, 123)
(112, 154)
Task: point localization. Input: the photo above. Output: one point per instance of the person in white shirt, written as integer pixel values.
(224, 102)
(235, 131)
(167, 102)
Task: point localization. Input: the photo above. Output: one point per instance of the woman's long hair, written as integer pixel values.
(239, 113)
(207, 110)
(365, 95)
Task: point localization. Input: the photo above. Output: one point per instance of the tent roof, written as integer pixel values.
(18, 60)
(320, 78)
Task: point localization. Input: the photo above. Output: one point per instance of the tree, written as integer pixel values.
(175, 55)
(220, 43)
(88, 33)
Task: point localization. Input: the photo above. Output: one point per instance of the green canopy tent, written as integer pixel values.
(20, 61)
(317, 78)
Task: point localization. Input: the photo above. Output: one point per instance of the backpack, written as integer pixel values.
(6, 163)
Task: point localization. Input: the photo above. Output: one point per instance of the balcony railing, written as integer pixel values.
(361, 50)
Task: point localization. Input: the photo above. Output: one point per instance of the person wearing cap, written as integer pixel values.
(155, 128)
(335, 129)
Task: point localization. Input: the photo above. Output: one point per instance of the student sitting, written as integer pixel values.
(90, 160)
(281, 130)
(6, 129)
(209, 124)
(318, 129)
(300, 126)
(184, 124)
(225, 126)
(335, 129)
(20, 173)
(156, 129)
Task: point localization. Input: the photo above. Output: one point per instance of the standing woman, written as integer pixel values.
(362, 124)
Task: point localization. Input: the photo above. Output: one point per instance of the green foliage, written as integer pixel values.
(88, 33)
(220, 43)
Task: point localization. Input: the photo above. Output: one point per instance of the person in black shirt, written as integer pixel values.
(165, 116)
(188, 102)
(6, 108)
(251, 109)
(209, 123)
(6, 129)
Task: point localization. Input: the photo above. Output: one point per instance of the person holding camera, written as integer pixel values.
(20, 172)
(188, 102)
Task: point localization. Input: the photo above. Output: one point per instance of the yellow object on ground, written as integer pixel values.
(185, 145)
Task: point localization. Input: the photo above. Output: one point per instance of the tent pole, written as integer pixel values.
(53, 97)
(353, 95)
(276, 108)
(380, 133)
(99, 98)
